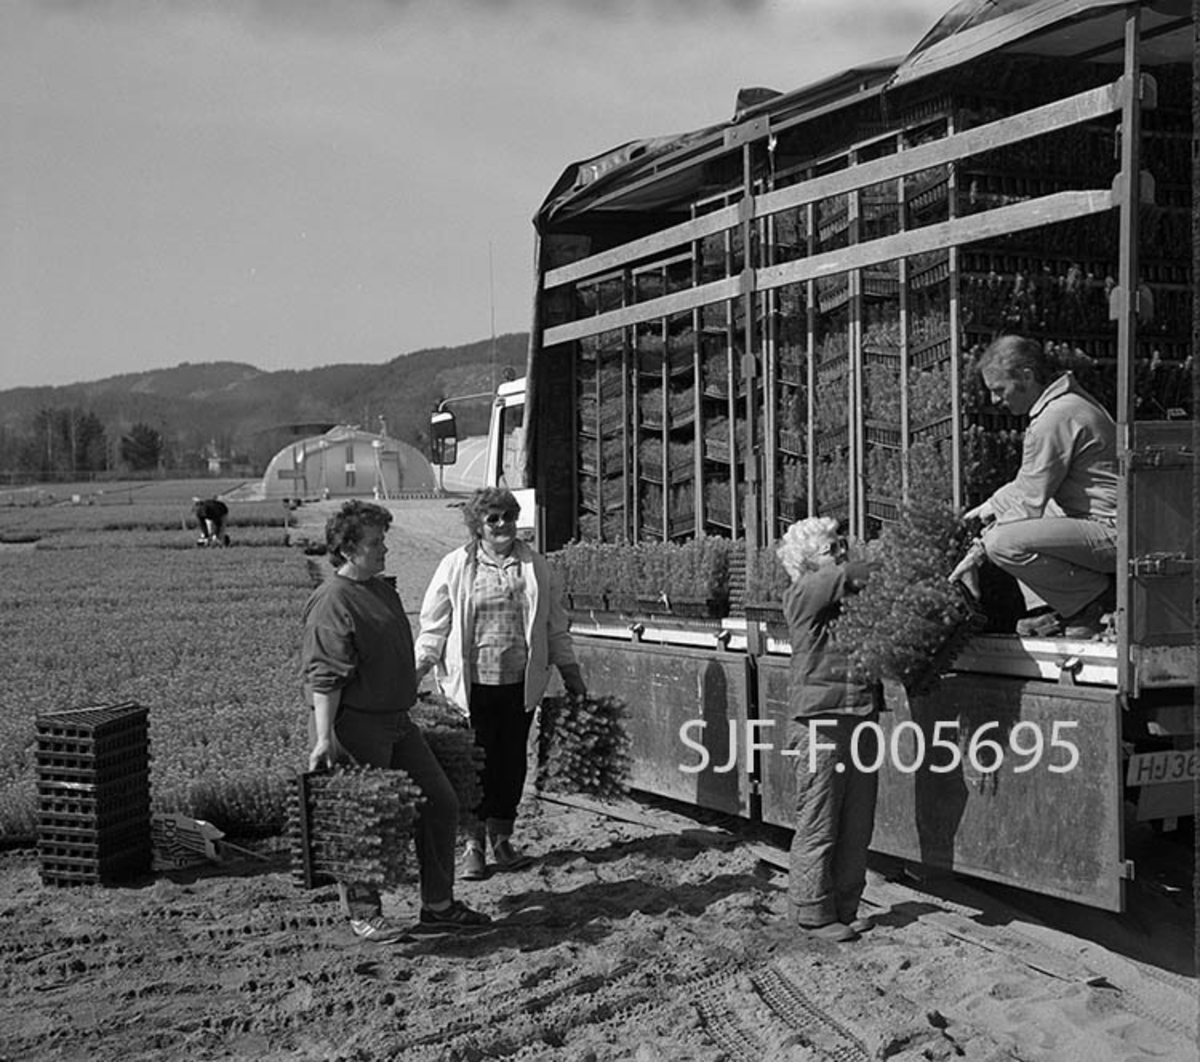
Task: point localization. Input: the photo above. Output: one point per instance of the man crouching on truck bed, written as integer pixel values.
(1053, 528)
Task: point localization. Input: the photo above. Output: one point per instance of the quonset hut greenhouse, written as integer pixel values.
(347, 462)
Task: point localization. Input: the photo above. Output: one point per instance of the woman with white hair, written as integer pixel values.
(835, 802)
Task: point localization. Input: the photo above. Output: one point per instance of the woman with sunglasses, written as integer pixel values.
(492, 625)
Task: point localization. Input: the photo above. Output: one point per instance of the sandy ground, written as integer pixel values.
(643, 934)
(662, 939)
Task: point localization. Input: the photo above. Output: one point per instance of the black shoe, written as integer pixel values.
(458, 916)
(836, 932)
(506, 857)
(1088, 622)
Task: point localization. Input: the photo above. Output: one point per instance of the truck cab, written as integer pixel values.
(506, 458)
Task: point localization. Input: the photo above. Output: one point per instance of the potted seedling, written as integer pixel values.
(699, 577)
(654, 563)
(766, 581)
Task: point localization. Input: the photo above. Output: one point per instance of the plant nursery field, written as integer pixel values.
(206, 639)
(165, 506)
(638, 933)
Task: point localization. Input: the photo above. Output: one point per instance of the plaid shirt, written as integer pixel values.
(500, 653)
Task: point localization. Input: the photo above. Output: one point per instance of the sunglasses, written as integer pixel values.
(837, 547)
(492, 519)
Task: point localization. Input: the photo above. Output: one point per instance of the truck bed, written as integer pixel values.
(1067, 660)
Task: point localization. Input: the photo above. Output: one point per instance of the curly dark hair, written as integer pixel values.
(488, 500)
(344, 529)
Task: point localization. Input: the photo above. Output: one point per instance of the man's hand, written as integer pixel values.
(967, 569)
(983, 513)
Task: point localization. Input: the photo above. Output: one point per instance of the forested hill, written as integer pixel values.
(236, 408)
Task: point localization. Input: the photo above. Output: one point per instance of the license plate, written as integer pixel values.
(1156, 768)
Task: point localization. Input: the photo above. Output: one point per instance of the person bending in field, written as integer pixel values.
(211, 514)
(835, 802)
(360, 679)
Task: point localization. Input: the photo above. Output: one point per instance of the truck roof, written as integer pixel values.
(1071, 29)
(645, 171)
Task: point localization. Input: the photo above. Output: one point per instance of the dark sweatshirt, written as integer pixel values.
(357, 640)
(820, 682)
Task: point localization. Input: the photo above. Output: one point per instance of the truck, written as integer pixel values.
(776, 316)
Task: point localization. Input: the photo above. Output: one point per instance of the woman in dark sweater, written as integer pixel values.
(360, 679)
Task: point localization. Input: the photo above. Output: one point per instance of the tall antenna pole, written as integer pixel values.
(492, 312)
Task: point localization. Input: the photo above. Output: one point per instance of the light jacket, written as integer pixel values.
(1069, 460)
(448, 624)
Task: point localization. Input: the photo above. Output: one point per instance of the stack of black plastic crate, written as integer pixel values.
(93, 779)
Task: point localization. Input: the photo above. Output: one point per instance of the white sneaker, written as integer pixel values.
(474, 863)
(377, 930)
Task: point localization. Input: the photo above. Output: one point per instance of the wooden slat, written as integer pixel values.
(650, 310)
(1083, 107)
(987, 225)
(708, 225)
(975, 228)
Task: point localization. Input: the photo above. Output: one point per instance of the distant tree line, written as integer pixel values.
(66, 442)
(176, 420)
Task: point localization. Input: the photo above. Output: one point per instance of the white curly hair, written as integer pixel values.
(803, 542)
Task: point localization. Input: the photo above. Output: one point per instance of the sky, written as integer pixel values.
(296, 183)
